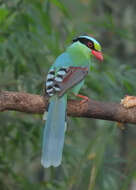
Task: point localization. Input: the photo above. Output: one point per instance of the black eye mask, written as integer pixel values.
(85, 42)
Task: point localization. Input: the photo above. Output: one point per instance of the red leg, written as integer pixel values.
(85, 98)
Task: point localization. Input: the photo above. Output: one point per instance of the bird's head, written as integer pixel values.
(92, 44)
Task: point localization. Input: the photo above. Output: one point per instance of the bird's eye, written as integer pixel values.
(90, 44)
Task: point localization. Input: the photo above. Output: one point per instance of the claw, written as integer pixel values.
(85, 98)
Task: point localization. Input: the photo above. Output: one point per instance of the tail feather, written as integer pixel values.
(54, 133)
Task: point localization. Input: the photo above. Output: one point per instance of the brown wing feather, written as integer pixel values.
(73, 77)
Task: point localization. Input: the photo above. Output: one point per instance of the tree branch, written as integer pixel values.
(30, 103)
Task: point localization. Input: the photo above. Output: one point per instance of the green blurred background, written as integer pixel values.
(97, 154)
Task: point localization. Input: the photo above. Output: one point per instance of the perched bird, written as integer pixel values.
(65, 76)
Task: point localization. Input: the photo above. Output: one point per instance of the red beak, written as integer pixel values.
(98, 55)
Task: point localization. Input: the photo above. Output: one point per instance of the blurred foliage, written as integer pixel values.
(97, 154)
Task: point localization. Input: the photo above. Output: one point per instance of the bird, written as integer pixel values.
(66, 75)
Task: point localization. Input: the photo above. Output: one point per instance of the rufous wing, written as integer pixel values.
(73, 76)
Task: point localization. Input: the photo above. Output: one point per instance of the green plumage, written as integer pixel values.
(76, 55)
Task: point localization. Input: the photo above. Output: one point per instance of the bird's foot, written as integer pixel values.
(85, 98)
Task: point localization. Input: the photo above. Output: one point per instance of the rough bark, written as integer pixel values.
(30, 103)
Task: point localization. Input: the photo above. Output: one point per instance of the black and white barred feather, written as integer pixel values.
(54, 79)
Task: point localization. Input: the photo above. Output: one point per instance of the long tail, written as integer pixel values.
(54, 132)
